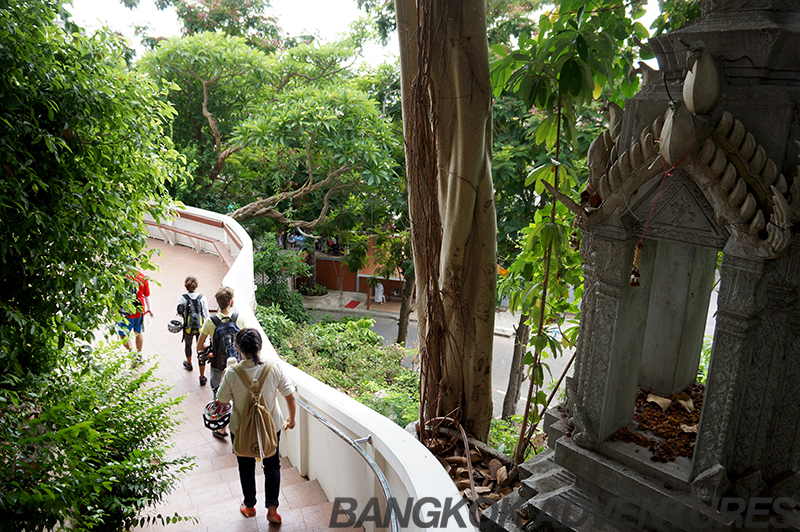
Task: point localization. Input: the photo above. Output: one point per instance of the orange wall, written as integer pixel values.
(329, 271)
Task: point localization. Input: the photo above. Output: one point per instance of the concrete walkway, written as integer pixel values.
(211, 492)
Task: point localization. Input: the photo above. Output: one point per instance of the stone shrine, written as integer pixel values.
(703, 163)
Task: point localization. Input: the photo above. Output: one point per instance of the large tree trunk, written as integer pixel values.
(521, 337)
(447, 123)
(405, 311)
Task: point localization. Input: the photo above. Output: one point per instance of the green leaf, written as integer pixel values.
(500, 50)
(544, 25)
(538, 173)
(570, 78)
(582, 47)
(540, 343)
(640, 31)
(538, 375)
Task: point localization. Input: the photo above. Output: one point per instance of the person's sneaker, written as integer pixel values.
(248, 512)
(273, 517)
(203, 381)
(187, 365)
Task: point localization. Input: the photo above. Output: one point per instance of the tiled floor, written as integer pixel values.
(210, 492)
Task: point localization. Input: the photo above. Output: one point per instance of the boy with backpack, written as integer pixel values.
(222, 329)
(194, 309)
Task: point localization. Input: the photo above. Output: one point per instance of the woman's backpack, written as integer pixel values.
(256, 436)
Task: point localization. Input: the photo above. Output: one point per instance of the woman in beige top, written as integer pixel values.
(248, 342)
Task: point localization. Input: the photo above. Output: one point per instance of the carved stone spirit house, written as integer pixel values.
(704, 161)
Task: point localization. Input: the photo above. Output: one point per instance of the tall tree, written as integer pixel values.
(220, 80)
(246, 19)
(447, 127)
(84, 155)
(313, 142)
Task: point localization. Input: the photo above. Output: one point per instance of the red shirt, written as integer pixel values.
(141, 293)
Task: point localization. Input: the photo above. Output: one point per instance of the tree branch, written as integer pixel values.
(321, 75)
(266, 207)
(563, 198)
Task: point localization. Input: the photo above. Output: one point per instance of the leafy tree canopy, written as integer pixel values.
(315, 140)
(238, 18)
(83, 157)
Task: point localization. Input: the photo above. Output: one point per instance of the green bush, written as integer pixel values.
(348, 355)
(85, 447)
(503, 436)
(277, 266)
(398, 401)
(316, 290)
(83, 155)
(275, 324)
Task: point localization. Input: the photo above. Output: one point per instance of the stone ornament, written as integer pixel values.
(749, 196)
(679, 134)
(702, 88)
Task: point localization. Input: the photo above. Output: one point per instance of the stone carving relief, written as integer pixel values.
(750, 197)
(682, 214)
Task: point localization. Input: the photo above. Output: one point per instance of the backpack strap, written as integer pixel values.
(218, 321)
(248, 383)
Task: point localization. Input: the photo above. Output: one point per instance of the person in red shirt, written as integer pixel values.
(133, 322)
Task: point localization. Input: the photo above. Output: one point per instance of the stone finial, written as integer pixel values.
(677, 136)
(704, 82)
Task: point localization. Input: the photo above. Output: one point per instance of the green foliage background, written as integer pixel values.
(88, 445)
(83, 156)
(277, 266)
(348, 355)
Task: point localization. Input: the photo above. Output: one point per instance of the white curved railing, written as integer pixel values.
(411, 471)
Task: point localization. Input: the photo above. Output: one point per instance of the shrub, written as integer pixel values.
(277, 266)
(503, 436)
(398, 401)
(315, 290)
(348, 355)
(275, 324)
(86, 446)
(84, 156)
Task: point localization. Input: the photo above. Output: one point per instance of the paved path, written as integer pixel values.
(211, 491)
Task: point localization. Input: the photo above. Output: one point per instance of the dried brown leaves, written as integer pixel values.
(674, 425)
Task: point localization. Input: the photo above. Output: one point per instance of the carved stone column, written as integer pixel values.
(576, 384)
(740, 303)
(779, 449)
(760, 399)
(605, 382)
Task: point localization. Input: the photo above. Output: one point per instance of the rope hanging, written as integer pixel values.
(637, 255)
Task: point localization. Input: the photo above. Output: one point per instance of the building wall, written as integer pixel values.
(330, 270)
